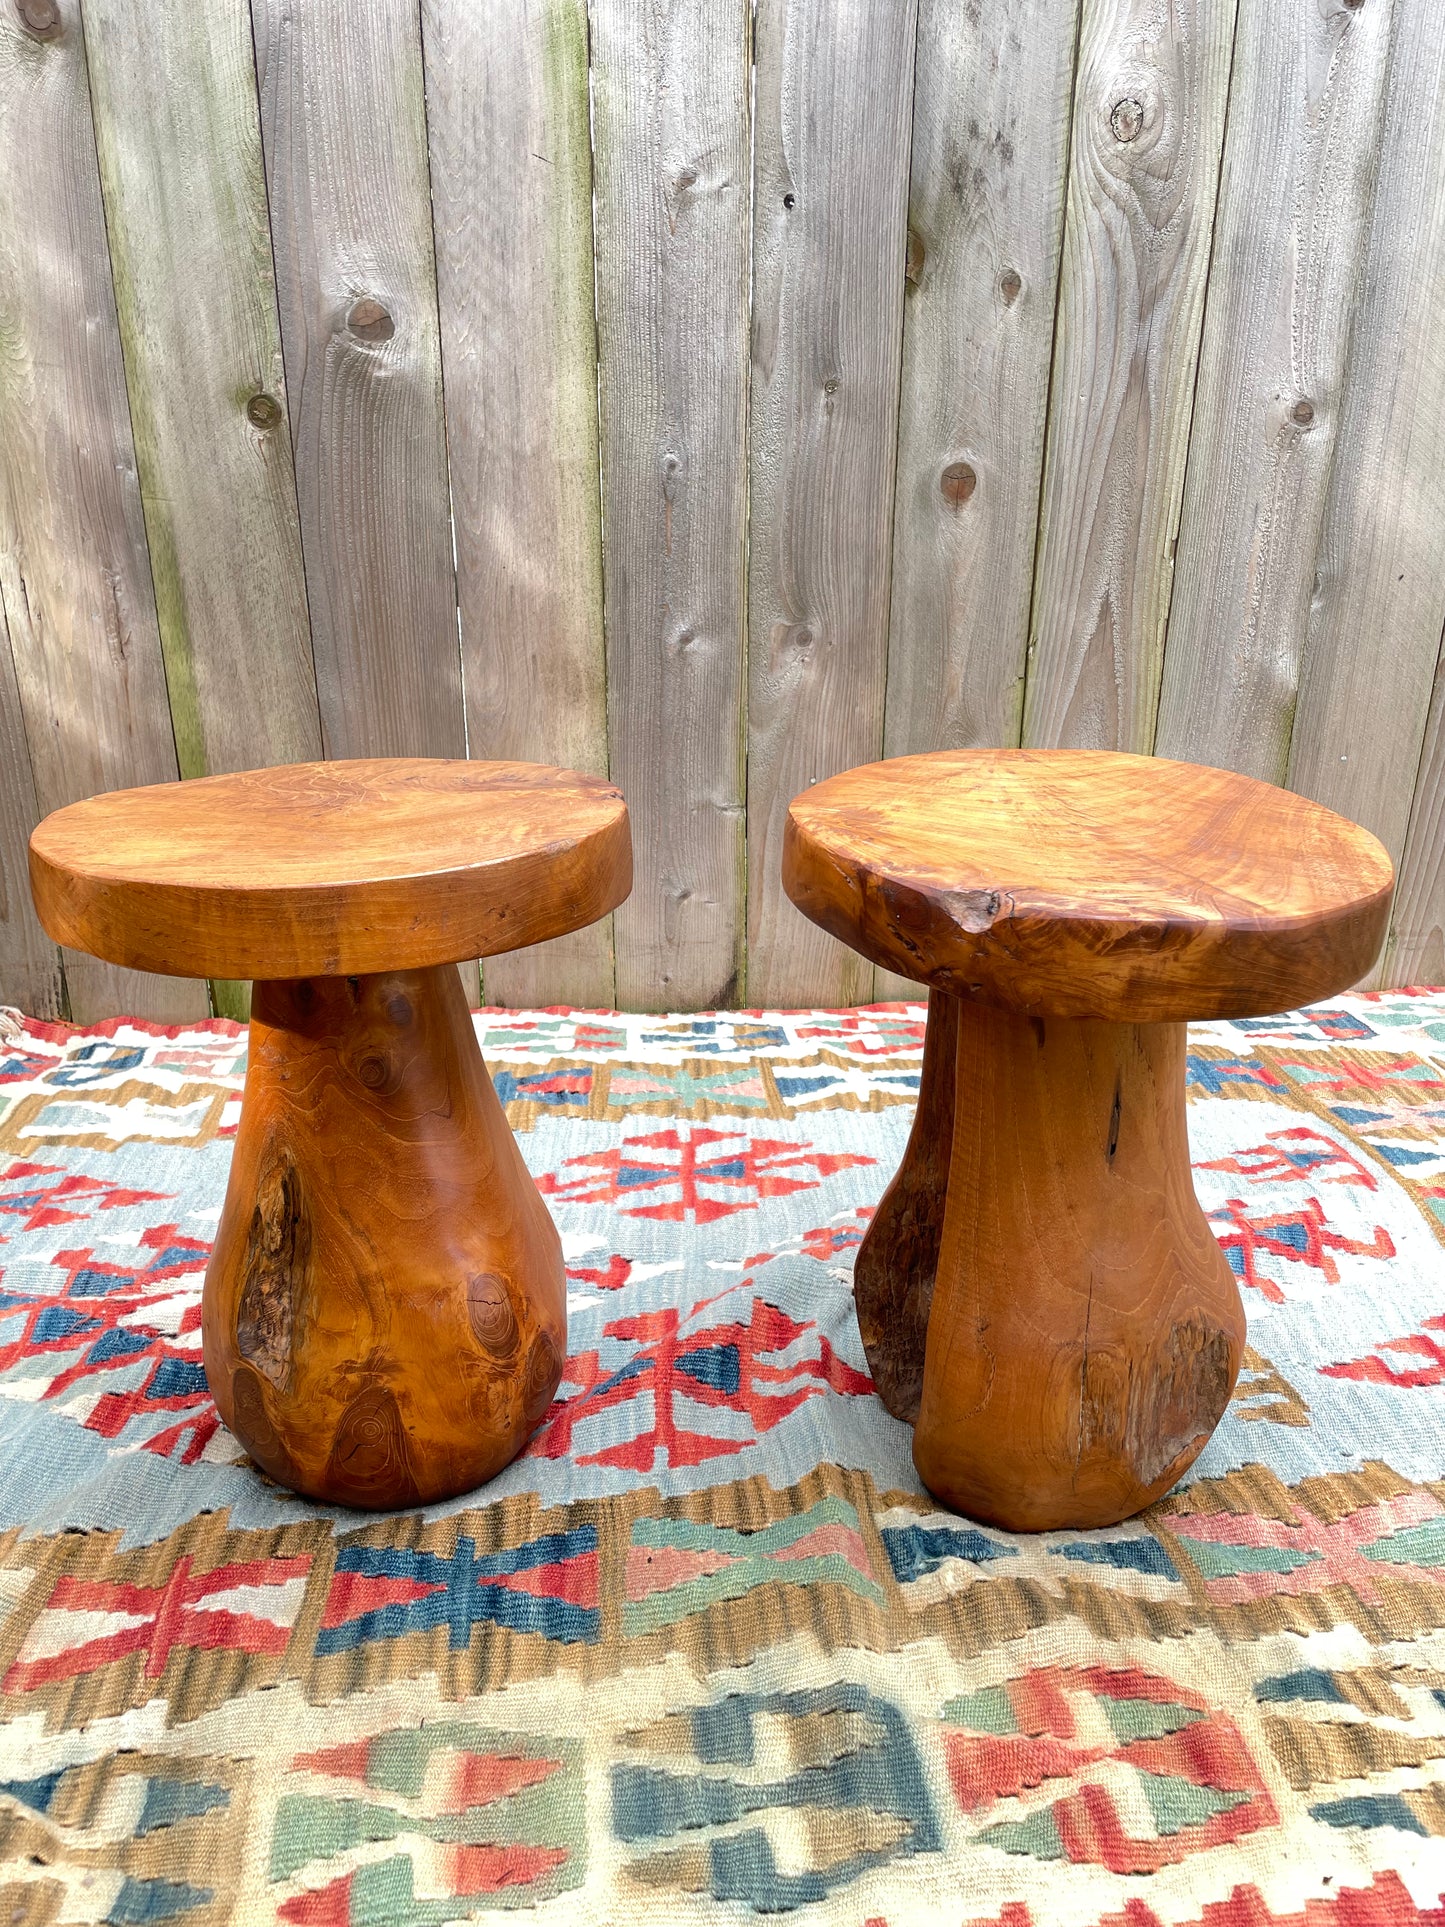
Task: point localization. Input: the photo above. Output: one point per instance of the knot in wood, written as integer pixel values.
(374, 1071)
(1303, 412)
(493, 1320)
(263, 411)
(1010, 284)
(368, 320)
(39, 17)
(1126, 119)
(544, 1369)
(369, 1450)
(958, 481)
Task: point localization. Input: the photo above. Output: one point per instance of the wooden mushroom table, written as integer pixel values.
(1039, 1292)
(384, 1318)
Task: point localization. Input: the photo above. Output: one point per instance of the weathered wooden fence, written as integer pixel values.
(719, 396)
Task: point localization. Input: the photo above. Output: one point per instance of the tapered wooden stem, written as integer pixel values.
(384, 1318)
(894, 1270)
(1086, 1330)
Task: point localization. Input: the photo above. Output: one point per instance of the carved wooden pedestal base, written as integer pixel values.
(385, 1314)
(1040, 1290)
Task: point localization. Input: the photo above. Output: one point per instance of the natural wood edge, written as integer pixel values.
(379, 1224)
(340, 930)
(894, 1271)
(1177, 969)
(1086, 1331)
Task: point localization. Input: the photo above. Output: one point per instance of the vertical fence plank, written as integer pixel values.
(1149, 111)
(155, 568)
(511, 165)
(1304, 116)
(1379, 603)
(343, 124)
(990, 160)
(74, 573)
(29, 963)
(834, 92)
(985, 225)
(670, 88)
(180, 163)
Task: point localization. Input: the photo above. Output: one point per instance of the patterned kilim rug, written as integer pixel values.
(707, 1651)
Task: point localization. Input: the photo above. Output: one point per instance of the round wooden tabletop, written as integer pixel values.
(1080, 883)
(332, 869)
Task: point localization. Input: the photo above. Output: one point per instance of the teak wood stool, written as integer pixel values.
(1039, 1292)
(384, 1318)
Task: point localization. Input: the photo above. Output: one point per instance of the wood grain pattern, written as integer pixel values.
(985, 218)
(330, 869)
(829, 244)
(1086, 1330)
(1379, 607)
(1040, 1289)
(343, 123)
(30, 973)
(910, 260)
(670, 91)
(1077, 883)
(897, 1261)
(1148, 123)
(180, 164)
(75, 579)
(507, 115)
(385, 1316)
(1304, 115)
(991, 104)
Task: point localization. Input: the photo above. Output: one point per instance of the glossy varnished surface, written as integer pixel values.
(893, 1274)
(332, 868)
(384, 1318)
(1085, 1331)
(1083, 884)
(1039, 1291)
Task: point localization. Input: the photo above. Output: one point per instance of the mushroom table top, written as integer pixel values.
(1080, 883)
(332, 869)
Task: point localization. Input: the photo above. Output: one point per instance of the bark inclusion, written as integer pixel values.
(278, 1253)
